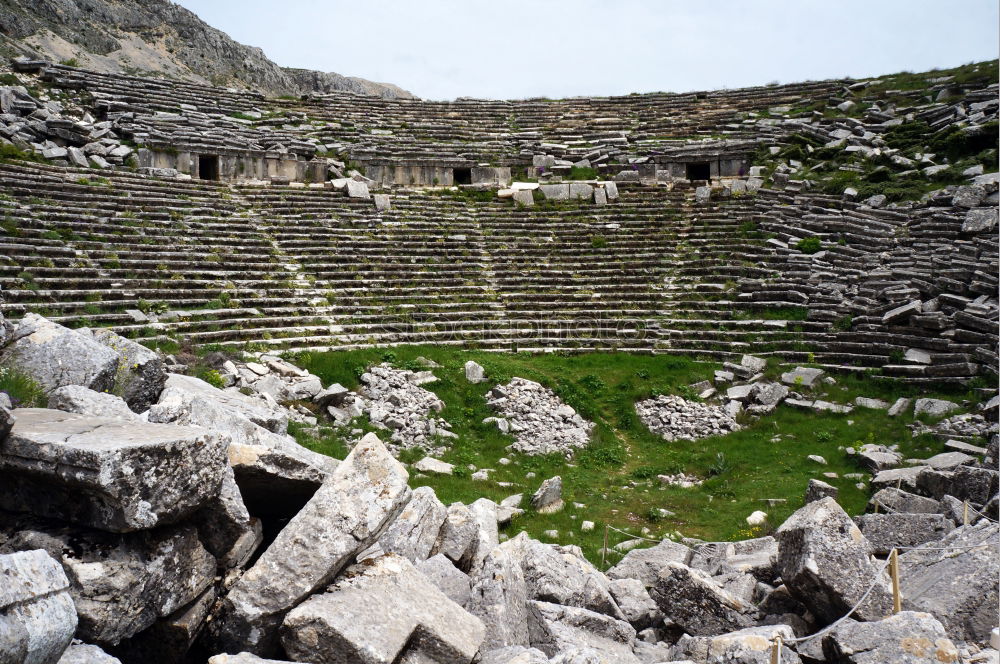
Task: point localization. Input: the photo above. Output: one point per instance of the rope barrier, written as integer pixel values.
(648, 539)
(890, 563)
(988, 518)
(845, 616)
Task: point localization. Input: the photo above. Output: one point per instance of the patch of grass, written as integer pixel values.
(582, 173)
(23, 390)
(614, 478)
(809, 245)
(212, 377)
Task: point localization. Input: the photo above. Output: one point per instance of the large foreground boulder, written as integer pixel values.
(120, 583)
(344, 517)
(905, 638)
(139, 376)
(753, 645)
(499, 598)
(645, 564)
(561, 575)
(698, 604)
(957, 584)
(413, 534)
(890, 531)
(381, 612)
(269, 465)
(37, 617)
(553, 628)
(825, 562)
(107, 473)
(55, 356)
(85, 401)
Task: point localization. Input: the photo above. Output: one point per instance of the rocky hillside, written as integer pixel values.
(160, 39)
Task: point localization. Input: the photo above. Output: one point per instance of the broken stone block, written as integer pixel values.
(487, 536)
(499, 598)
(876, 458)
(752, 645)
(560, 575)
(356, 189)
(381, 612)
(346, 515)
(975, 484)
(83, 653)
(474, 373)
(802, 376)
(897, 477)
(55, 356)
(553, 629)
(120, 583)
(450, 580)
(414, 532)
(635, 603)
(818, 489)
(889, 531)
(382, 202)
(899, 406)
(979, 220)
(645, 564)
(140, 375)
(756, 557)
(892, 499)
(37, 616)
(108, 473)
(270, 417)
(959, 586)
(548, 498)
(908, 637)
(934, 407)
(7, 418)
(524, 198)
(226, 527)
(901, 313)
(85, 401)
(458, 536)
(696, 603)
(825, 561)
(513, 655)
(433, 466)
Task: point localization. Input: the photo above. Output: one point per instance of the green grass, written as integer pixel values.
(24, 391)
(615, 477)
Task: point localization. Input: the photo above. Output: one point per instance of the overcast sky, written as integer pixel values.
(442, 49)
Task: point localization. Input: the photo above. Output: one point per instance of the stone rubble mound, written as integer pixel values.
(540, 421)
(673, 418)
(394, 401)
(205, 533)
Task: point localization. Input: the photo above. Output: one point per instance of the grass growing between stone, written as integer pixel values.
(615, 478)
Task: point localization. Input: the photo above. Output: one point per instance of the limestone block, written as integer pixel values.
(108, 473)
(381, 613)
(37, 616)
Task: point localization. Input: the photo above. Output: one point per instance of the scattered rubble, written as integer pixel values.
(675, 418)
(540, 422)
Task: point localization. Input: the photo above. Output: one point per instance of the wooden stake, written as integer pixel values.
(776, 651)
(897, 599)
(965, 512)
(604, 550)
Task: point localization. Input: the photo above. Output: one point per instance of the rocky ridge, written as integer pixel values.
(158, 38)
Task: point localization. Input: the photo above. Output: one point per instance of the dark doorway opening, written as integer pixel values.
(208, 167)
(462, 176)
(698, 171)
